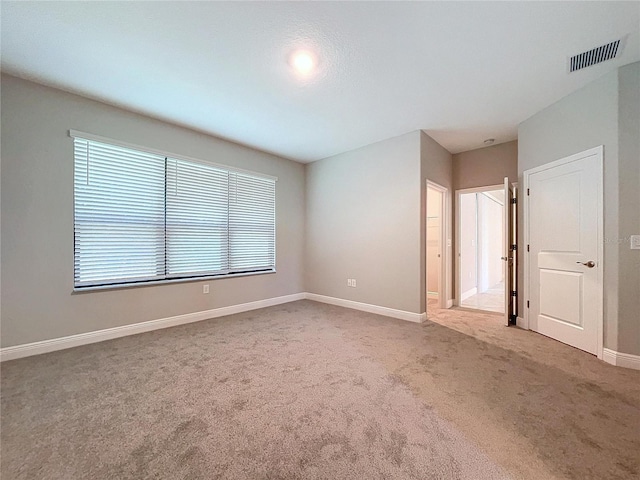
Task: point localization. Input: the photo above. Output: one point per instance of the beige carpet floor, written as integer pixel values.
(312, 391)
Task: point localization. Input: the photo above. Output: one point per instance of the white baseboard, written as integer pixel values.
(45, 346)
(367, 307)
(619, 359)
(468, 293)
(26, 350)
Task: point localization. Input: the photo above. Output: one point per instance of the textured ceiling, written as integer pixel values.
(463, 72)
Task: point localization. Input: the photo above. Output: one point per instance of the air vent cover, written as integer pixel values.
(595, 55)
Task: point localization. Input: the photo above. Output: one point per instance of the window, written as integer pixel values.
(141, 216)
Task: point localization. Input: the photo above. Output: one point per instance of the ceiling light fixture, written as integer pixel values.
(303, 62)
(489, 141)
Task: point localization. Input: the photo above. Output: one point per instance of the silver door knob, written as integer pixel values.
(589, 264)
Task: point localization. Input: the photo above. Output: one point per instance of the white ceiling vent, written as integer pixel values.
(596, 55)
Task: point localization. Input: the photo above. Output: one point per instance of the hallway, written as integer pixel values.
(491, 300)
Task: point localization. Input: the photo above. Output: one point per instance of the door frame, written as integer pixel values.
(458, 228)
(443, 291)
(599, 151)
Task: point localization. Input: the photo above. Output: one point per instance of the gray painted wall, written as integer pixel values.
(583, 120)
(486, 166)
(436, 165)
(365, 210)
(629, 199)
(37, 218)
(363, 222)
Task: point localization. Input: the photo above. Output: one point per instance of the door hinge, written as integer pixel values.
(513, 293)
(527, 248)
(527, 303)
(514, 247)
(528, 192)
(514, 201)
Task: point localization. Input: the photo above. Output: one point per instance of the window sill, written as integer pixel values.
(155, 283)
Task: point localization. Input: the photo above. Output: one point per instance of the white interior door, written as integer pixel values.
(565, 254)
(435, 245)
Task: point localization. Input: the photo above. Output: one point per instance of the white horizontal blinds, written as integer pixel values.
(251, 223)
(197, 219)
(119, 214)
(141, 216)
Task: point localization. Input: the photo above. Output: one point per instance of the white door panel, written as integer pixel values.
(564, 231)
(561, 296)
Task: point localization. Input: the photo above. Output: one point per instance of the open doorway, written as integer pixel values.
(435, 246)
(481, 230)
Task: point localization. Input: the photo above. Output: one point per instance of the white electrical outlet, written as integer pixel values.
(353, 282)
(635, 242)
(205, 289)
(348, 282)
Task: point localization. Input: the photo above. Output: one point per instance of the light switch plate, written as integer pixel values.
(635, 242)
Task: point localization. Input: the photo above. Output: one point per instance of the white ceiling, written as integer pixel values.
(461, 71)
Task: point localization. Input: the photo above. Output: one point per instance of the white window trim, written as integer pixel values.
(117, 286)
(111, 141)
(155, 283)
